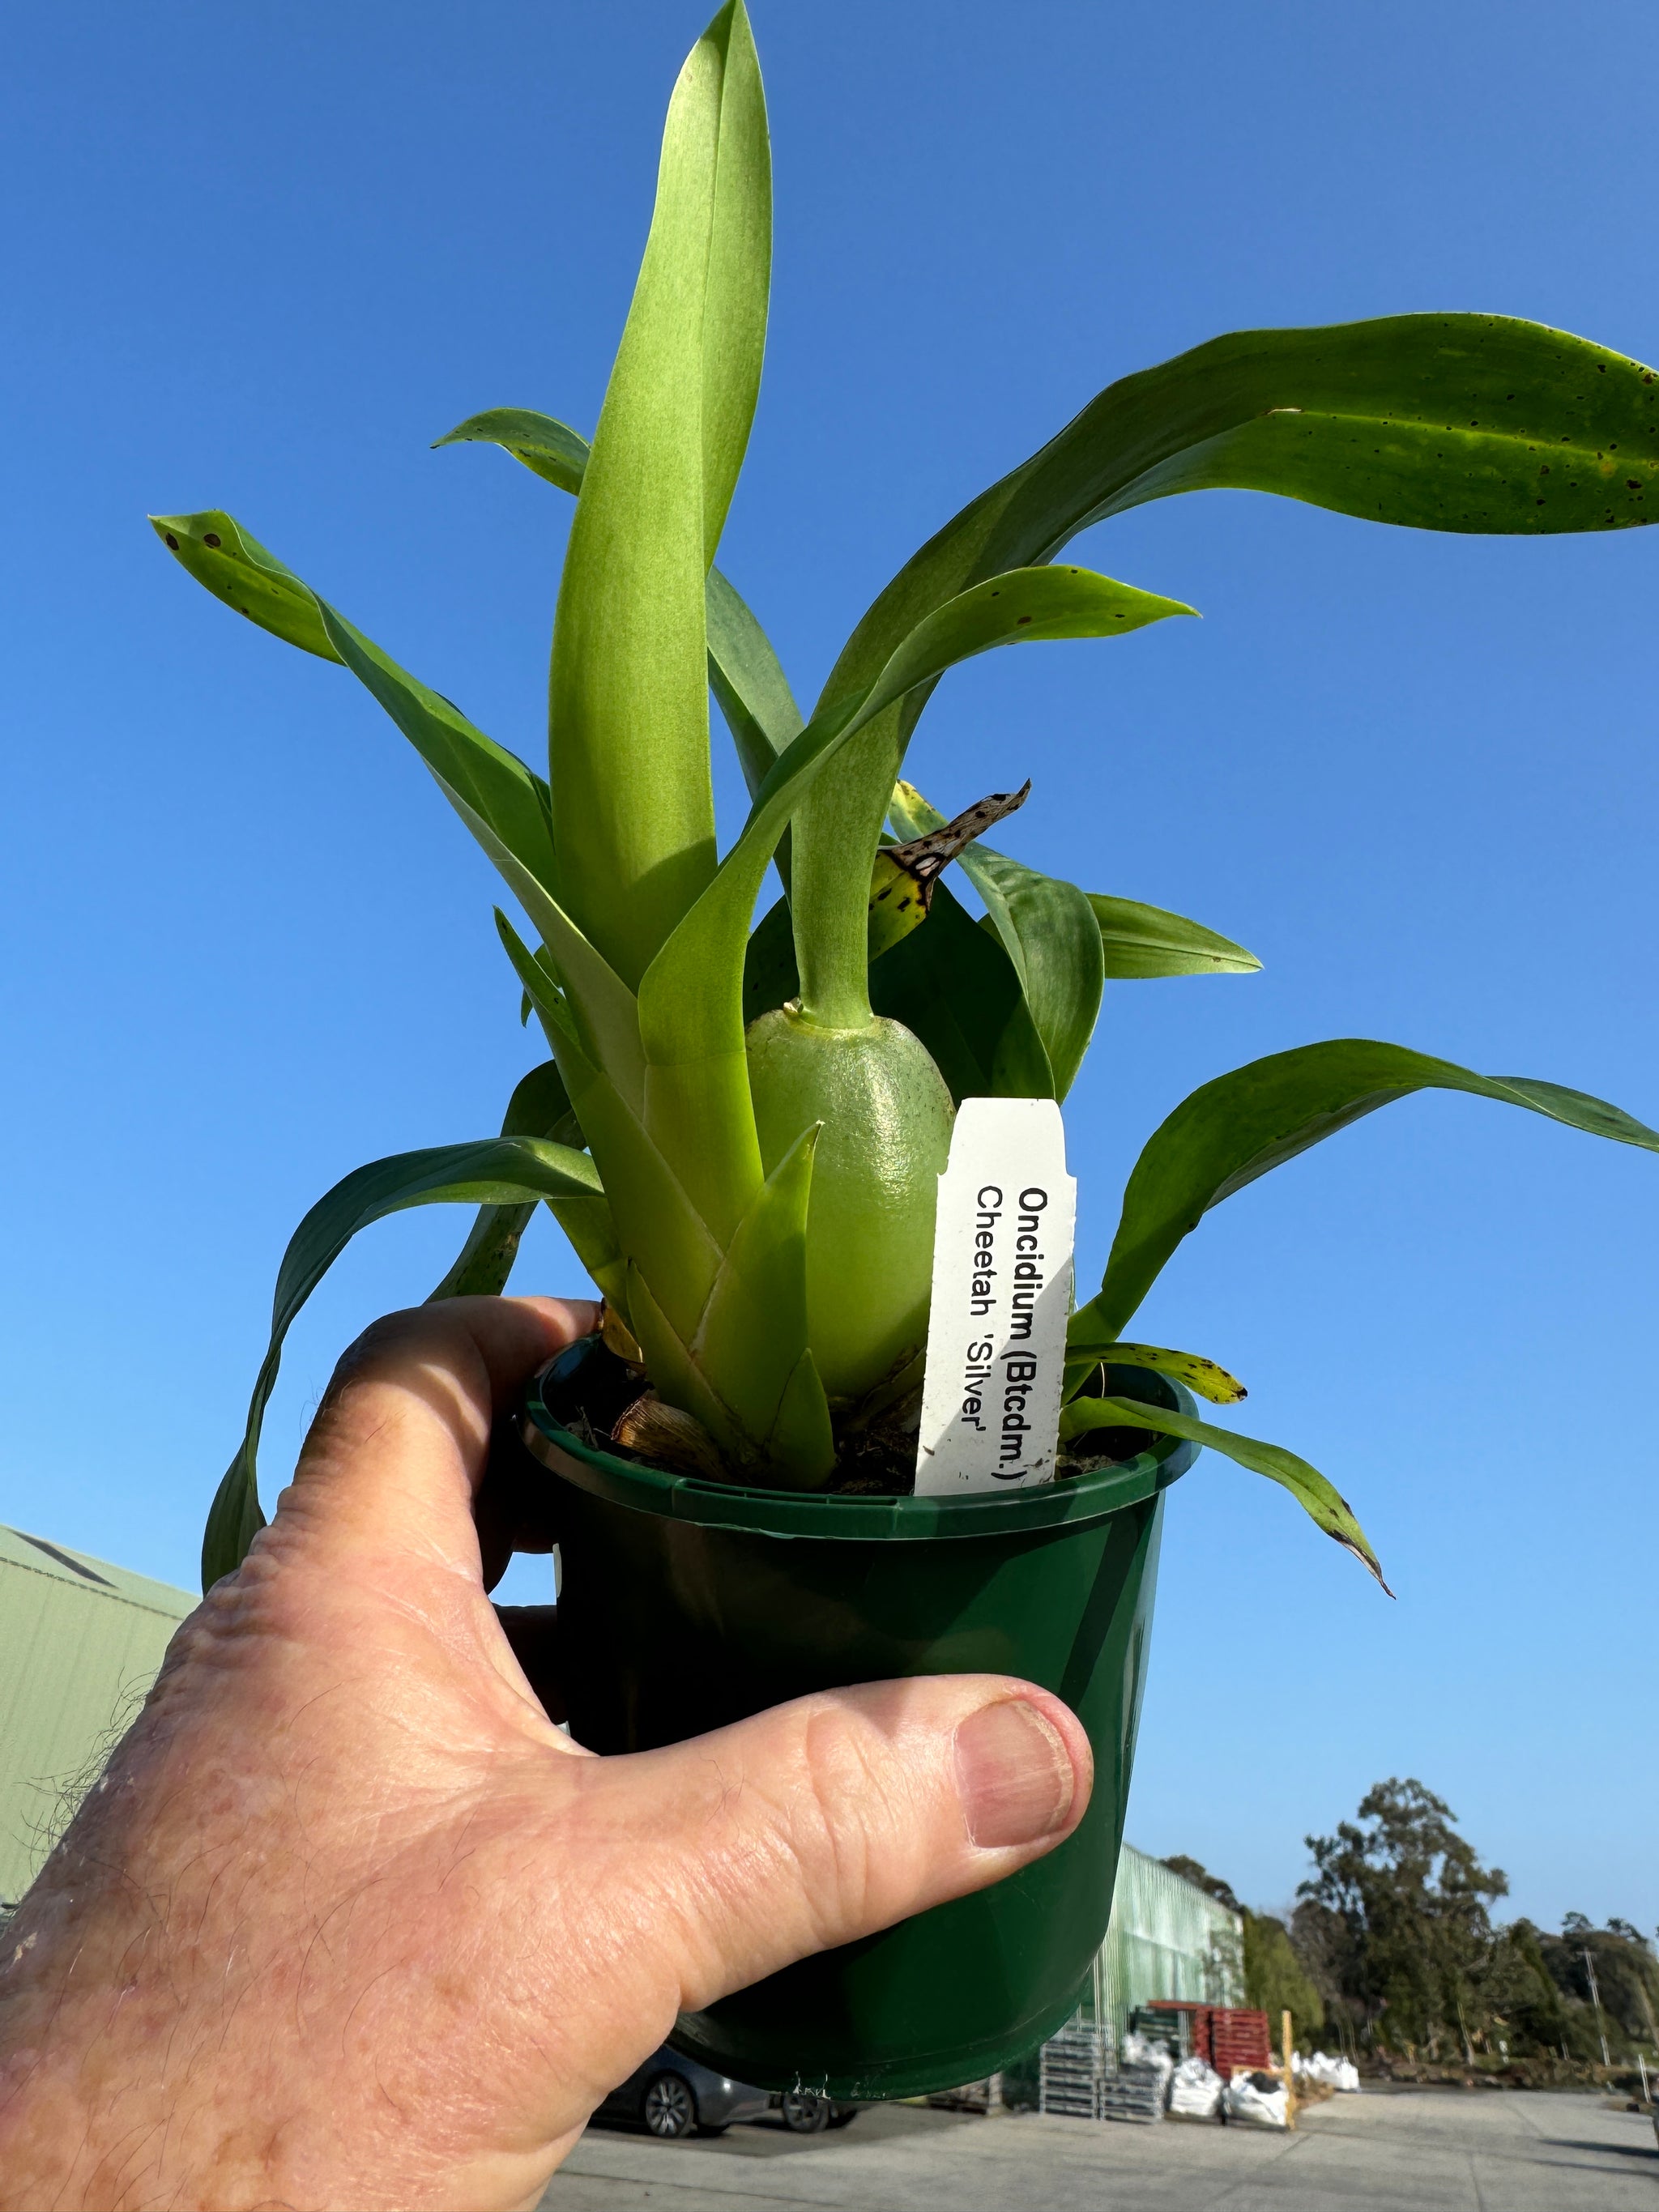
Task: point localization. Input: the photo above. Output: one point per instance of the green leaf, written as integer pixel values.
(1478, 424)
(654, 1220)
(739, 267)
(801, 1440)
(674, 1373)
(539, 1107)
(690, 1002)
(590, 1228)
(836, 839)
(1016, 606)
(494, 1171)
(214, 549)
(1199, 1374)
(550, 450)
(751, 1338)
(504, 805)
(1237, 1128)
(1325, 1505)
(951, 983)
(749, 682)
(471, 768)
(1140, 941)
(1440, 422)
(744, 670)
(1047, 927)
(629, 685)
(493, 782)
(477, 778)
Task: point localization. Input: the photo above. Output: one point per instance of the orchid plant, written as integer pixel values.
(741, 1127)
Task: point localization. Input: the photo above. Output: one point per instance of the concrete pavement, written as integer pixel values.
(1418, 2151)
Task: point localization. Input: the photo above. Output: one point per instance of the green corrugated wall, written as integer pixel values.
(1166, 1939)
(80, 1644)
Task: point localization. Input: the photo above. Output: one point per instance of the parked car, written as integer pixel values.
(674, 2096)
(804, 2112)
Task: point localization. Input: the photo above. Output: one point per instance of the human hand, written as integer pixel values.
(350, 1923)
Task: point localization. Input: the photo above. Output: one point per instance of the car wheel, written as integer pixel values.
(670, 2110)
(844, 2115)
(804, 2113)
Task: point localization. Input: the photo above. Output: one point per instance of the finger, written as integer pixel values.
(514, 1505)
(533, 1637)
(402, 1437)
(821, 1821)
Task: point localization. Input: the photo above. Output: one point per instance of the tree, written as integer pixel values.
(1626, 1979)
(1201, 1878)
(1275, 1978)
(1411, 1897)
(1522, 2006)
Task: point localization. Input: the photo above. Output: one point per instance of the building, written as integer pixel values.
(1167, 1938)
(80, 1644)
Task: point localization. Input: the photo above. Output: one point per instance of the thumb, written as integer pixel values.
(827, 1819)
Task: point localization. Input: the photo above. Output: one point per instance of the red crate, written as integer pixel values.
(1238, 2038)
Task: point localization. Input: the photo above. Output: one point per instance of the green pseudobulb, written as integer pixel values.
(886, 1115)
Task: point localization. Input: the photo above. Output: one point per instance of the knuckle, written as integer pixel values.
(853, 1823)
(383, 1343)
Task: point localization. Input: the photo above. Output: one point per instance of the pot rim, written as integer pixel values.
(748, 1509)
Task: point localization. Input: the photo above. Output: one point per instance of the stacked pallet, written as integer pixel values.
(1133, 2092)
(1074, 2067)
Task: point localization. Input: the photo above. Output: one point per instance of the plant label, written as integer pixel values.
(1002, 1296)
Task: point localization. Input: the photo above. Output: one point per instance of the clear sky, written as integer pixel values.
(260, 257)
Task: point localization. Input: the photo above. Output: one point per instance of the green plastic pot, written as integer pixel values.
(685, 1604)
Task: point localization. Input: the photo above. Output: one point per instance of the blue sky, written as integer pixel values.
(259, 258)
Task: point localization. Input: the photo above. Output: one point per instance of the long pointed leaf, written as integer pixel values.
(836, 836)
(744, 670)
(655, 1220)
(1462, 422)
(598, 1000)
(1140, 942)
(539, 1107)
(1323, 1503)
(495, 1171)
(749, 682)
(1199, 1374)
(502, 802)
(691, 999)
(1439, 421)
(629, 693)
(1238, 1126)
(495, 783)
(550, 450)
(739, 269)
(230, 562)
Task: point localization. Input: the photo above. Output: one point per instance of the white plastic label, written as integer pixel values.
(1002, 1295)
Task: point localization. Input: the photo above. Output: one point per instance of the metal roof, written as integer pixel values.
(80, 1643)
